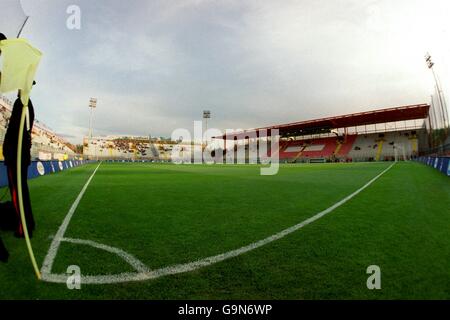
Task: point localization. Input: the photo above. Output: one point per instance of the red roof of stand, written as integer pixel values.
(411, 112)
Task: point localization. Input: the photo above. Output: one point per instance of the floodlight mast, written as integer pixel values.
(433, 112)
(92, 105)
(206, 116)
(442, 105)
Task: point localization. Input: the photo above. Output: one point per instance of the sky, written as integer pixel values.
(154, 66)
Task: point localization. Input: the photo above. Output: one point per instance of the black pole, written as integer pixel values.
(23, 25)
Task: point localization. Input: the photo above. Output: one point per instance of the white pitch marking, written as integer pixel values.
(191, 266)
(51, 254)
(135, 263)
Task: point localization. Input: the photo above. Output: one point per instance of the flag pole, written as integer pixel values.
(19, 191)
(21, 28)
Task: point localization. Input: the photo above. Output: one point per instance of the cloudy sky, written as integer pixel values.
(155, 65)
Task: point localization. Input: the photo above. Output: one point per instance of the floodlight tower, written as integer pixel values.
(92, 106)
(206, 116)
(442, 104)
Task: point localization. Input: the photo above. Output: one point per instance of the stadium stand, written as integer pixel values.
(354, 147)
(345, 144)
(129, 147)
(47, 145)
(379, 135)
(356, 137)
(385, 146)
(310, 148)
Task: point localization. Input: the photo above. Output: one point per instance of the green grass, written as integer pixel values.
(169, 214)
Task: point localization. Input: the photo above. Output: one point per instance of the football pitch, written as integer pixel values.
(164, 231)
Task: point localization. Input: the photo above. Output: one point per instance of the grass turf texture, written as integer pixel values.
(169, 214)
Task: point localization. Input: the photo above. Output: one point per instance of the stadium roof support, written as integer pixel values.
(402, 113)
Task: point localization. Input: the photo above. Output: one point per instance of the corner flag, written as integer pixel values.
(20, 63)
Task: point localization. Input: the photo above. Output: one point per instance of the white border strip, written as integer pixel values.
(191, 266)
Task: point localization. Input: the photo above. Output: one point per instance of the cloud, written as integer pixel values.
(155, 65)
(120, 52)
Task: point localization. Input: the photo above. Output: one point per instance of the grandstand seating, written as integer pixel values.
(320, 148)
(309, 148)
(375, 146)
(345, 145)
(364, 147)
(290, 149)
(46, 144)
(116, 147)
(384, 146)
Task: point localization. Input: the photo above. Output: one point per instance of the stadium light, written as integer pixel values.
(92, 105)
(442, 104)
(206, 116)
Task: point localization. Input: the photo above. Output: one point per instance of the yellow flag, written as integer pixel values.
(20, 63)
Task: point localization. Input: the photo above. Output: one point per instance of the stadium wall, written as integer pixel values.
(40, 168)
(439, 163)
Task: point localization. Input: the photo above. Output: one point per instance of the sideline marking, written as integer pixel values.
(135, 263)
(53, 250)
(191, 266)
